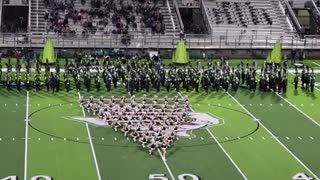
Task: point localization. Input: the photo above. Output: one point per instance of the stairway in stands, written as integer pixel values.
(37, 16)
(283, 18)
(168, 13)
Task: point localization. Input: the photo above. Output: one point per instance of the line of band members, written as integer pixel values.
(139, 75)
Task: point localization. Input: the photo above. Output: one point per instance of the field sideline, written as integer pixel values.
(260, 136)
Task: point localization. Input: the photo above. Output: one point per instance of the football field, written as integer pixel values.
(259, 136)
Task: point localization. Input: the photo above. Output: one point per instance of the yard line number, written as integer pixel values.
(38, 177)
(180, 177)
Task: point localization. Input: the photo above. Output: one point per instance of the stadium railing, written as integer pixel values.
(193, 41)
(292, 16)
(316, 7)
(176, 8)
(1, 4)
(205, 15)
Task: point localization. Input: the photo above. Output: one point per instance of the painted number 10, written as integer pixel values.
(180, 177)
(38, 177)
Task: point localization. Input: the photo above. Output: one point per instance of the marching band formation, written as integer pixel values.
(152, 122)
(139, 74)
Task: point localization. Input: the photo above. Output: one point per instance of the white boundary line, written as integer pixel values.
(255, 119)
(26, 139)
(221, 147)
(225, 152)
(165, 163)
(90, 140)
(298, 109)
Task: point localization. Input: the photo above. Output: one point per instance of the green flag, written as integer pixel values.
(48, 52)
(180, 54)
(276, 53)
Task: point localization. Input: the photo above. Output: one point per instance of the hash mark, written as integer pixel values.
(263, 137)
(251, 138)
(299, 137)
(287, 138)
(102, 139)
(311, 137)
(226, 138)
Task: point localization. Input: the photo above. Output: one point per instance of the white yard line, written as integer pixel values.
(165, 163)
(255, 119)
(299, 110)
(316, 63)
(90, 140)
(225, 152)
(26, 139)
(221, 147)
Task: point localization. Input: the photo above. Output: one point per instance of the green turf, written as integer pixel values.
(58, 158)
(12, 126)
(285, 121)
(203, 158)
(254, 155)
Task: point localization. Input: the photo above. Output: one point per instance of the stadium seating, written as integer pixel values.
(257, 17)
(104, 21)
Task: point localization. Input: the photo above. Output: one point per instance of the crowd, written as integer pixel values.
(55, 21)
(138, 74)
(150, 121)
(116, 17)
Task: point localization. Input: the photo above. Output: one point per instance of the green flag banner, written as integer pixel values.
(276, 53)
(48, 52)
(180, 54)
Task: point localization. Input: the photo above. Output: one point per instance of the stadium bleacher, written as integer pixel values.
(257, 17)
(104, 18)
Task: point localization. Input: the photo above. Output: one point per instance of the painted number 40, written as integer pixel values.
(39, 177)
(180, 177)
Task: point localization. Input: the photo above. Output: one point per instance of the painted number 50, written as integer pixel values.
(180, 177)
